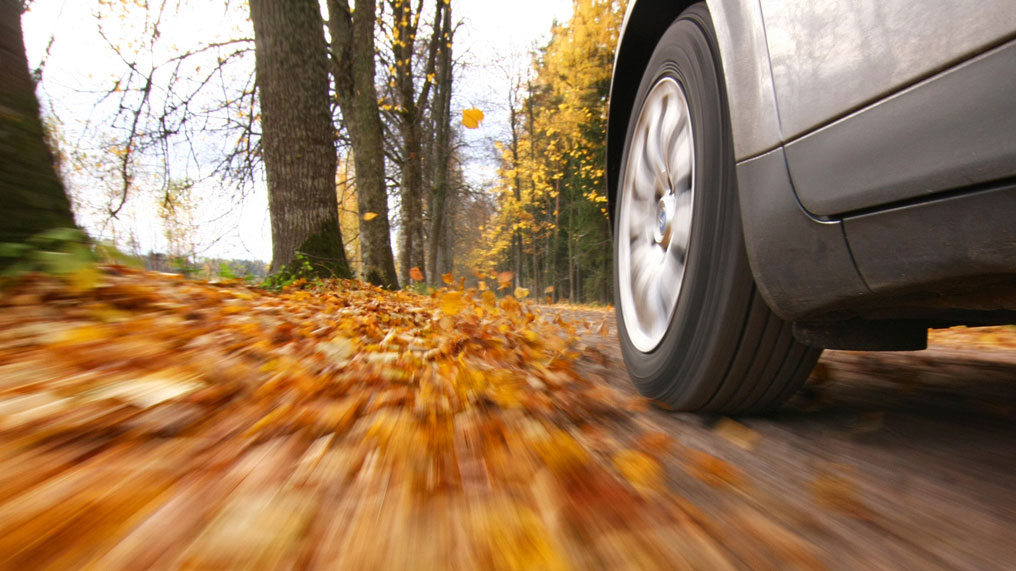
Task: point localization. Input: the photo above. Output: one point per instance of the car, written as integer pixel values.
(791, 175)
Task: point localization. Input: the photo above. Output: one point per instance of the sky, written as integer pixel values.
(492, 44)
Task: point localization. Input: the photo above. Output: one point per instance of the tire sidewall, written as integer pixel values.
(685, 54)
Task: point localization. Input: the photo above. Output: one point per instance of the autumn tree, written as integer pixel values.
(32, 196)
(411, 100)
(297, 135)
(353, 67)
(441, 150)
(551, 228)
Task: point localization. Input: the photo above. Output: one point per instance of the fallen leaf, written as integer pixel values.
(452, 302)
(639, 469)
(712, 470)
(834, 489)
(736, 433)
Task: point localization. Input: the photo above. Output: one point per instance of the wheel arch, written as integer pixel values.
(744, 58)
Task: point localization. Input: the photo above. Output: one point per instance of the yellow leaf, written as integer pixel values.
(471, 118)
(639, 469)
(521, 292)
(452, 302)
(482, 285)
(548, 289)
(368, 216)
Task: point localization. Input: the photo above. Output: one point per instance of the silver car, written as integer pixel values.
(788, 175)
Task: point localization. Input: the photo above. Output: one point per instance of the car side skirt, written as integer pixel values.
(946, 260)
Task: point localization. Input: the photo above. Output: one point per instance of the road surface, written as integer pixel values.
(883, 460)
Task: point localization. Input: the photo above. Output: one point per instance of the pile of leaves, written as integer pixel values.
(1001, 337)
(151, 421)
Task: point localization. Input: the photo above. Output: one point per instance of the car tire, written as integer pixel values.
(694, 331)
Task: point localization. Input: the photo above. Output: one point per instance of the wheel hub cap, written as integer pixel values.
(654, 225)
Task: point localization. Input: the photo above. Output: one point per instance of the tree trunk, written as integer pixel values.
(32, 196)
(354, 67)
(411, 105)
(297, 135)
(516, 188)
(446, 257)
(442, 151)
(554, 271)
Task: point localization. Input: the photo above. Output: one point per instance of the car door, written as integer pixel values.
(881, 101)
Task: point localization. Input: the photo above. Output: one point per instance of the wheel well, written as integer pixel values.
(644, 25)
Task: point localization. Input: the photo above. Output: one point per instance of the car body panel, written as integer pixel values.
(878, 140)
(952, 130)
(802, 265)
(937, 241)
(829, 58)
(755, 124)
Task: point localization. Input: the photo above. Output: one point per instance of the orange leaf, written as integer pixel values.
(834, 489)
(448, 279)
(368, 216)
(471, 118)
(713, 471)
(504, 279)
(415, 274)
(639, 469)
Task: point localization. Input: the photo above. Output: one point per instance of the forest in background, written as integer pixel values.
(346, 113)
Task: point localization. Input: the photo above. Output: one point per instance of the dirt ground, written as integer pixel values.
(890, 460)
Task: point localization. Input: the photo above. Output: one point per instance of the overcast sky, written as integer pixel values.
(492, 43)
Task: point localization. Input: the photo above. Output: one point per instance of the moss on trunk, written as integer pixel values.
(325, 252)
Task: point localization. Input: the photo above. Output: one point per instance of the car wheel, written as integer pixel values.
(694, 331)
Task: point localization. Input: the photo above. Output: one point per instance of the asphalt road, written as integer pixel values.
(883, 460)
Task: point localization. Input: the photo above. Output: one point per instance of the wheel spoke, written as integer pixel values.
(672, 270)
(638, 212)
(681, 233)
(652, 170)
(662, 120)
(679, 160)
(656, 214)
